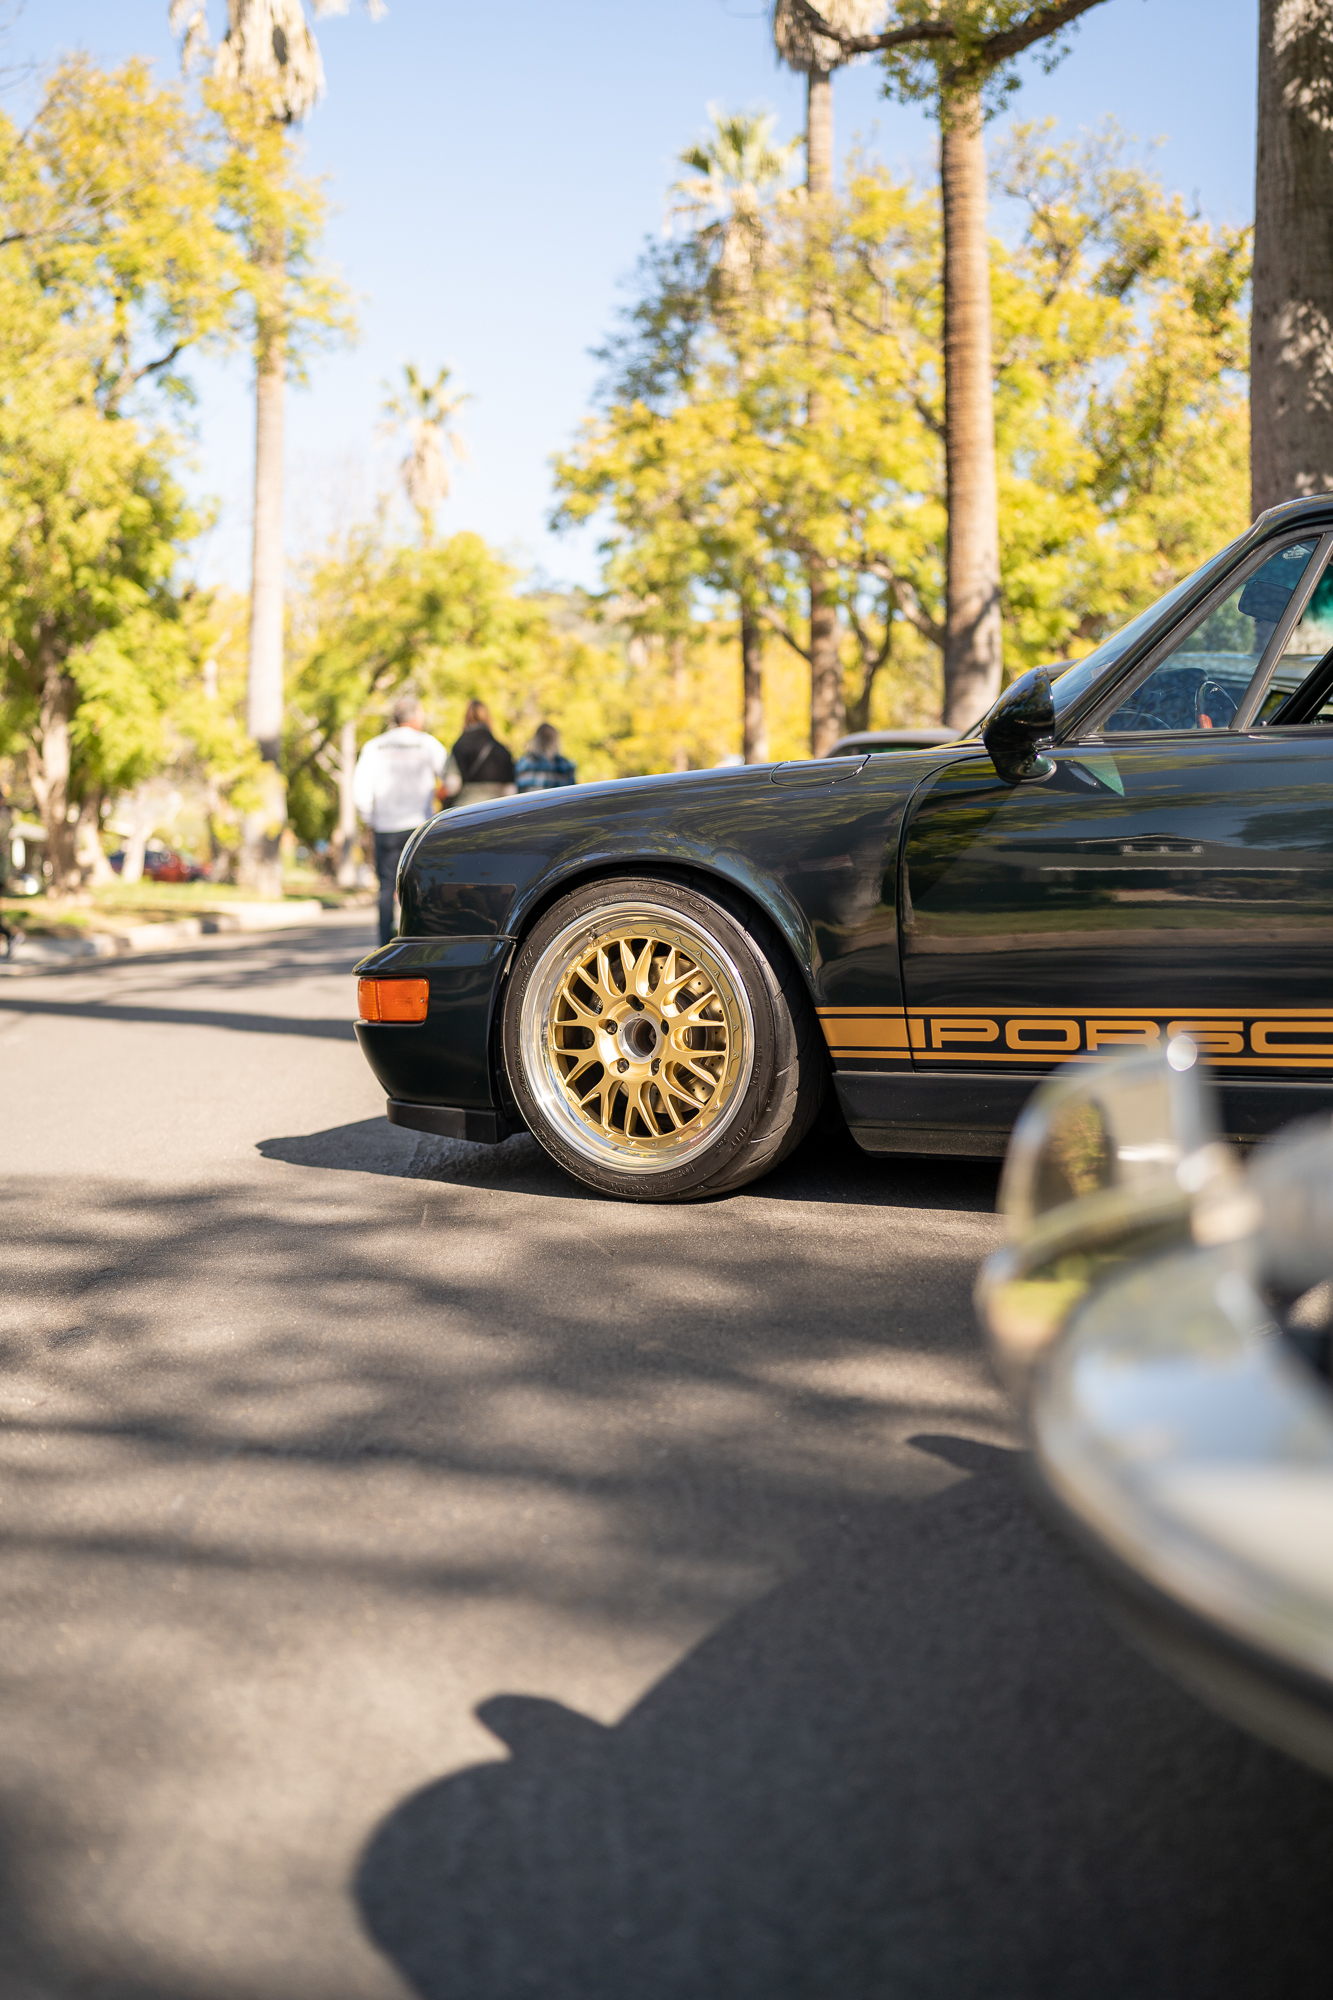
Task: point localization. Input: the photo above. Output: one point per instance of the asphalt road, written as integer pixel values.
(420, 1577)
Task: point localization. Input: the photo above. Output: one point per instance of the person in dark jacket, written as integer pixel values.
(541, 767)
(479, 766)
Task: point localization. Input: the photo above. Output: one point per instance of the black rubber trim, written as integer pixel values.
(484, 1128)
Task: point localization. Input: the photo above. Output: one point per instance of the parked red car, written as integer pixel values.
(163, 864)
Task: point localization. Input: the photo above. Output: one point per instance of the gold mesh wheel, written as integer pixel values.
(637, 1037)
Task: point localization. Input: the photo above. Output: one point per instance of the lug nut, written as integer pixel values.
(622, 1065)
(657, 1064)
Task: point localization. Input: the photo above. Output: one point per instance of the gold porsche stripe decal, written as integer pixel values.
(869, 1031)
(1277, 1038)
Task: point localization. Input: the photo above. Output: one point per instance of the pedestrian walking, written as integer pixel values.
(480, 767)
(393, 787)
(541, 768)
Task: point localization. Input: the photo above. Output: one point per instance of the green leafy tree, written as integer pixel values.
(112, 264)
(1119, 403)
(267, 78)
(447, 620)
(704, 462)
(816, 56)
(959, 54)
(1121, 408)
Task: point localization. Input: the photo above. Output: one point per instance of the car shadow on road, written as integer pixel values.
(183, 1017)
(925, 1766)
(829, 1167)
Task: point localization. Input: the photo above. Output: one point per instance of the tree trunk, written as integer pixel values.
(858, 713)
(754, 723)
(972, 644)
(49, 775)
(681, 756)
(260, 862)
(1291, 340)
(143, 809)
(827, 716)
(94, 868)
(344, 864)
(818, 133)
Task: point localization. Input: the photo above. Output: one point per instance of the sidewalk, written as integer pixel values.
(34, 954)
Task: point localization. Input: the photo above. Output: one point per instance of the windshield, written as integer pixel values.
(1075, 680)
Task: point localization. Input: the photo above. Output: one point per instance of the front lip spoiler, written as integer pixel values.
(1188, 1450)
(446, 1121)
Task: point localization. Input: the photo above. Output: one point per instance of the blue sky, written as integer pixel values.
(496, 168)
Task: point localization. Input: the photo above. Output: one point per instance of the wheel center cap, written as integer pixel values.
(639, 1037)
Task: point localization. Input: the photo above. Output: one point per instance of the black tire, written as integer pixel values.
(751, 1051)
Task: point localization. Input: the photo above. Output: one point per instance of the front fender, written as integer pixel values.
(808, 856)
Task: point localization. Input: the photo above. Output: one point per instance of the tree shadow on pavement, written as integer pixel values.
(924, 1766)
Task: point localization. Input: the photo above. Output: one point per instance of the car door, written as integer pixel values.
(1175, 873)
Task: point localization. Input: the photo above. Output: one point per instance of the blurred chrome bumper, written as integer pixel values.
(1176, 1429)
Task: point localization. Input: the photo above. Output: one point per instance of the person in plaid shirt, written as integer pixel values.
(541, 767)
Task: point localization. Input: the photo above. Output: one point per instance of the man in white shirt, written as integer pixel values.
(394, 790)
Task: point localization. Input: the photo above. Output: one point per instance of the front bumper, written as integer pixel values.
(444, 1061)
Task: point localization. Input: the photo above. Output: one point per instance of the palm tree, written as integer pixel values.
(269, 52)
(953, 51)
(805, 45)
(424, 410)
(732, 172)
(1291, 381)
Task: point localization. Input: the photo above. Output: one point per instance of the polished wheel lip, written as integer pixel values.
(572, 944)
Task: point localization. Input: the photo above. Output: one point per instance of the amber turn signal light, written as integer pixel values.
(392, 999)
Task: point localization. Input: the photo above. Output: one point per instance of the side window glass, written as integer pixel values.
(1320, 709)
(1306, 658)
(1201, 682)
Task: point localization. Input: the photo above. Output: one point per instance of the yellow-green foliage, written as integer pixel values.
(129, 224)
(731, 445)
(446, 619)
(1122, 414)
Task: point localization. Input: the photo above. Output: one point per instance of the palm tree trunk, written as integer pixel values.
(1291, 380)
(972, 645)
(827, 715)
(344, 866)
(754, 723)
(818, 133)
(260, 863)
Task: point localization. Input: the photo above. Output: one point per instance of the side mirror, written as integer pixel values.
(1022, 717)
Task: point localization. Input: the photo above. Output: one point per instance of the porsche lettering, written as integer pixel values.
(1300, 1040)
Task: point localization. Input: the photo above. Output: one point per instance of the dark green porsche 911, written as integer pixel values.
(662, 978)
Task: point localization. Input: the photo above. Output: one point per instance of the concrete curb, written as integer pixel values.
(32, 954)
